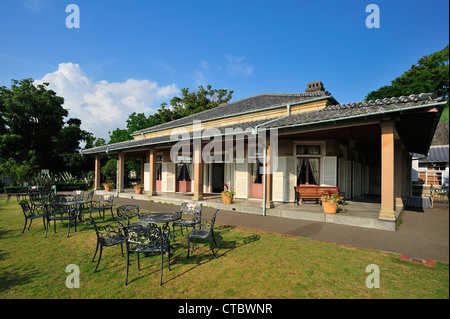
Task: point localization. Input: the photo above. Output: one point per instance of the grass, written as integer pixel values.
(250, 264)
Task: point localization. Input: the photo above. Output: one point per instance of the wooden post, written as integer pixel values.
(120, 175)
(269, 202)
(198, 171)
(387, 171)
(97, 175)
(152, 161)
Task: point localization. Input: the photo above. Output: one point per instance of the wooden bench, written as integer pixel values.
(315, 192)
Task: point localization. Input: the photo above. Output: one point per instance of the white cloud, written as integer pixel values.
(236, 66)
(103, 106)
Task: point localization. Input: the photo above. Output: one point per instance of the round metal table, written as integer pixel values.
(158, 218)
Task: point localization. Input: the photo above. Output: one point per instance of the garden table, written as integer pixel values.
(159, 218)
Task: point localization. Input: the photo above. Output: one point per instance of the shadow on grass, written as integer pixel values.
(202, 254)
(9, 279)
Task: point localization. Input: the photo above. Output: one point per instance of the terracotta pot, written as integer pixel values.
(108, 188)
(138, 190)
(329, 207)
(227, 198)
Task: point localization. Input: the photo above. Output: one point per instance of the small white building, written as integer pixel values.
(433, 168)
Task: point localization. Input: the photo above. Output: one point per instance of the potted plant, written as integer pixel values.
(138, 188)
(330, 203)
(108, 185)
(227, 194)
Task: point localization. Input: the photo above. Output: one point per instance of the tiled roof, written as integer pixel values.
(437, 153)
(339, 111)
(246, 129)
(253, 103)
(329, 113)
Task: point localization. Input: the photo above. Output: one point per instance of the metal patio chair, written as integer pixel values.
(204, 230)
(148, 239)
(192, 210)
(57, 211)
(125, 213)
(107, 203)
(32, 214)
(107, 236)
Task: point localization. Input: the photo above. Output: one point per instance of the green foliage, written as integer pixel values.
(430, 74)
(444, 115)
(62, 179)
(192, 103)
(33, 130)
(109, 170)
(18, 172)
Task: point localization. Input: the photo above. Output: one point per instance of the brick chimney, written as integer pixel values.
(314, 87)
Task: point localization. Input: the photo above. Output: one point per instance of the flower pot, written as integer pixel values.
(108, 188)
(227, 198)
(329, 206)
(138, 190)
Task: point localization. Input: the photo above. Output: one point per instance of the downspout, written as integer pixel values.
(255, 132)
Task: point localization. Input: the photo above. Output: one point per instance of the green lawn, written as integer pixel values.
(250, 264)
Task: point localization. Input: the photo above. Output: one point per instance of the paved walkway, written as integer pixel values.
(422, 235)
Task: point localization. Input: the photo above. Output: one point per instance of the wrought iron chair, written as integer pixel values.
(204, 230)
(107, 203)
(38, 198)
(95, 206)
(57, 211)
(194, 210)
(125, 213)
(32, 214)
(107, 236)
(148, 239)
(78, 194)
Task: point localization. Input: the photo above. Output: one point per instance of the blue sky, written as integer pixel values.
(130, 56)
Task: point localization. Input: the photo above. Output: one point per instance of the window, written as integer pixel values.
(257, 169)
(183, 172)
(158, 171)
(308, 149)
(308, 171)
(436, 166)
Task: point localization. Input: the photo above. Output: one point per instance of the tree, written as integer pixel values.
(192, 103)
(430, 74)
(33, 130)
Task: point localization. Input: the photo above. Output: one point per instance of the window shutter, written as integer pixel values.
(329, 171)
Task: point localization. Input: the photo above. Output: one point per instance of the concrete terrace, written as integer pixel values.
(363, 212)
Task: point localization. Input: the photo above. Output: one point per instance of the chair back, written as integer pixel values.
(192, 209)
(103, 232)
(26, 209)
(106, 200)
(213, 219)
(78, 194)
(140, 236)
(125, 213)
(90, 196)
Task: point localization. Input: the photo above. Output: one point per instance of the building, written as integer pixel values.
(265, 145)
